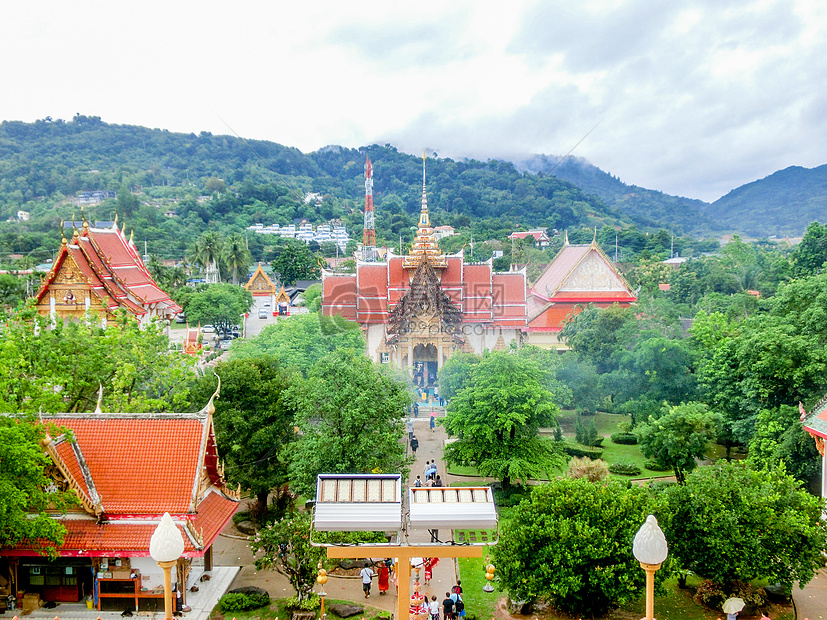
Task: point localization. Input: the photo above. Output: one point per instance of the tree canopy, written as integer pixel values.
(350, 415)
(496, 419)
(221, 305)
(730, 522)
(571, 543)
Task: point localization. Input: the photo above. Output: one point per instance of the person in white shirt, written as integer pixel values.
(367, 575)
(433, 608)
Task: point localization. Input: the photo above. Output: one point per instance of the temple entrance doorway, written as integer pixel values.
(425, 365)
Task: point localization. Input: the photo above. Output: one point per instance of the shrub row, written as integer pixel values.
(573, 449)
(627, 439)
(653, 465)
(625, 469)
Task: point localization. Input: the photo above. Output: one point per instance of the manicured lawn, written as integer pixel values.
(277, 610)
(472, 574)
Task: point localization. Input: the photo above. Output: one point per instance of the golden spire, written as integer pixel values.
(424, 245)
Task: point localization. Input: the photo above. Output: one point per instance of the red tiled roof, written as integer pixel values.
(85, 537)
(70, 460)
(140, 465)
(213, 513)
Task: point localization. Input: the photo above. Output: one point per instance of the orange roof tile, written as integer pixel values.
(140, 465)
(213, 513)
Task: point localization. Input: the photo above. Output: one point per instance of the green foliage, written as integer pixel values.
(455, 373)
(254, 425)
(713, 594)
(628, 439)
(730, 522)
(302, 341)
(809, 256)
(571, 544)
(653, 465)
(625, 469)
(679, 437)
(285, 547)
(311, 603)
(597, 333)
(586, 433)
(294, 261)
(221, 305)
(577, 450)
(496, 419)
(240, 601)
(351, 418)
(780, 439)
(24, 499)
(60, 370)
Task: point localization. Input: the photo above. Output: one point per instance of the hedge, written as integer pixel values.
(239, 601)
(625, 469)
(627, 439)
(574, 449)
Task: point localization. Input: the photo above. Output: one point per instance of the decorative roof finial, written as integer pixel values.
(63, 232)
(100, 398)
(210, 408)
(424, 220)
(115, 221)
(566, 242)
(594, 239)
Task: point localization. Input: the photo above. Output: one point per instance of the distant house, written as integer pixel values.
(539, 235)
(676, 261)
(23, 216)
(441, 232)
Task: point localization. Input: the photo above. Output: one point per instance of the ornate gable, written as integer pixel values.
(593, 274)
(425, 306)
(260, 284)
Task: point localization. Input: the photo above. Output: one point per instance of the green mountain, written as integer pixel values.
(172, 186)
(781, 204)
(646, 207)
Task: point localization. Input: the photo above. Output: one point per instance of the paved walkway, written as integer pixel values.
(811, 602)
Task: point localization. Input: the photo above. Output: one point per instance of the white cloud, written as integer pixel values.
(695, 97)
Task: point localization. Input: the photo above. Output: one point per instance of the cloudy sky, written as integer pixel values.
(691, 97)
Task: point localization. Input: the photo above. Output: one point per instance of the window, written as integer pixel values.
(385, 358)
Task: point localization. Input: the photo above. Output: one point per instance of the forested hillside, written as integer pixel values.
(171, 187)
(647, 207)
(781, 204)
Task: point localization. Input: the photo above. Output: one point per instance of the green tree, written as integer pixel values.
(24, 498)
(679, 437)
(571, 543)
(730, 522)
(810, 255)
(236, 255)
(294, 261)
(598, 333)
(12, 291)
(61, 369)
(254, 425)
(351, 419)
(496, 419)
(780, 439)
(219, 304)
(285, 547)
(455, 373)
(302, 341)
(207, 252)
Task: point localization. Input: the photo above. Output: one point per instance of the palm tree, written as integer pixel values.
(206, 253)
(236, 255)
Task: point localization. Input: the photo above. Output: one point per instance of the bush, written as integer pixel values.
(573, 449)
(243, 602)
(510, 497)
(653, 465)
(659, 485)
(309, 604)
(626, 439)
(586, 432)
(625, 469)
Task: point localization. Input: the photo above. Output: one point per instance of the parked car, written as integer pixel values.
(208, 329)
(225, 344)
(263, 313)
(181, 317)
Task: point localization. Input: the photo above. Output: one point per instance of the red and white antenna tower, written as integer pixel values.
(369, 233)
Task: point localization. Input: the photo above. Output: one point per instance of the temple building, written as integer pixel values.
(417, 310)
(98, 272)
(580, 274)
(127, 470)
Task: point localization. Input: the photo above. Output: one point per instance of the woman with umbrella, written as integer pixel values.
(732, 607)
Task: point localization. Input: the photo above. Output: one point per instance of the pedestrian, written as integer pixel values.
(427, 467)
(384, 578)
(457, 588)
(430, 474)
(437, 482)
(448, 607)
(367, 574)
(433, 608)
(409, 424)
(418, 482)
(432, 422)
(416, 409)
(414, 445)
